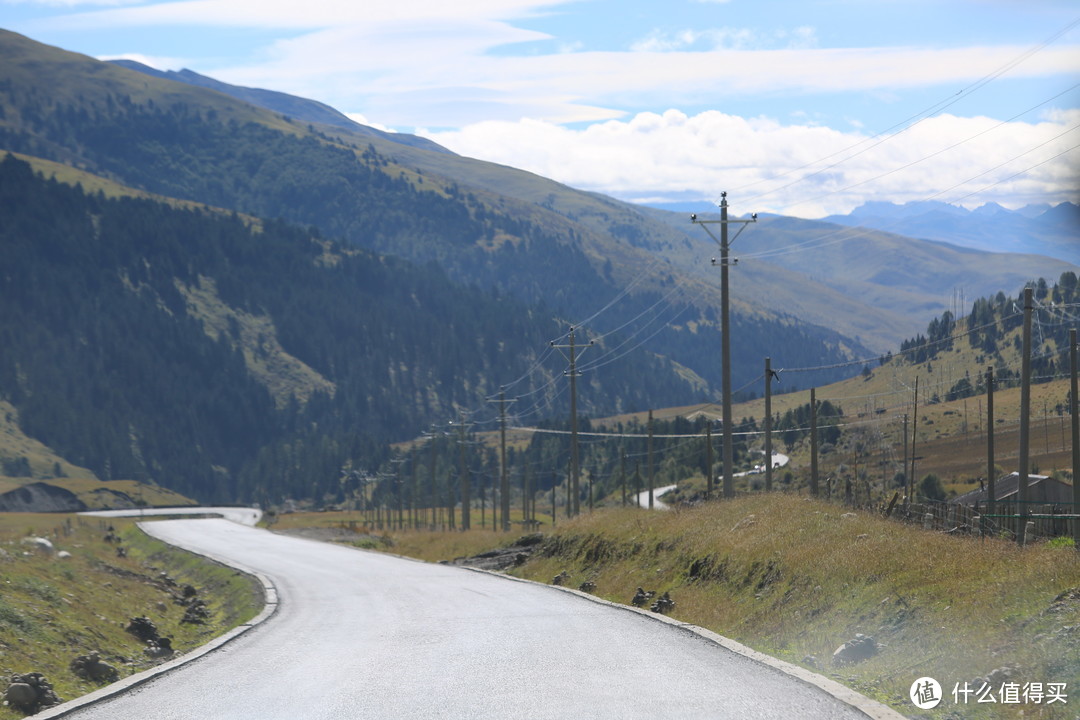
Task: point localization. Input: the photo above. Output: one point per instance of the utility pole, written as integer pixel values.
(708, 459)
(991, 472)
(466, 499)
(769, 375)
(526, 496)
(813, 443)
(1025, 419)
(573, 500)
(400, 485)
(431, 482)
(504, 481)
(914, 429)
(622, 474)
(725, 331)
(592, 475)
(414, 492)
(637, 483)
(651, 485)
(907, 478)
(1075, 441)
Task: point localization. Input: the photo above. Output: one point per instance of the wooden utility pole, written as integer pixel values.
(526, 496)
(1075, 440)
(400, 495)
(592, 474)
(768, 424)
(622, 474)
(907, 476)
(573, 500)
(914, 430)
(414, 493)
(1025, 419)
(813, 443)
(463, 470)
(708, 459)
(991, 471)
(727, 450)
(504, 479)
(431, 483)
(650, 462)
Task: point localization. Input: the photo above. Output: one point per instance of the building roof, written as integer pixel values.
(1004, 486)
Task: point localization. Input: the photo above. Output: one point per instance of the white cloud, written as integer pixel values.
(725, 38)
(760, 161)
(413, 63)
(72, 3)
(291, 15)
(157, 62)
(408, 80)
(358, 118)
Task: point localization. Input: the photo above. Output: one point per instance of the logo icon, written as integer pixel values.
(925, 693)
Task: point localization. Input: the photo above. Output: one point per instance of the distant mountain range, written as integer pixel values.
(1033, 229)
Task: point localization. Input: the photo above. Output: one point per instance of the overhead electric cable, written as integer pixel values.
(931, 155)
(919, 117)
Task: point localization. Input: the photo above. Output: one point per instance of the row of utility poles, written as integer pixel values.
(1024, 462)
(572, 350)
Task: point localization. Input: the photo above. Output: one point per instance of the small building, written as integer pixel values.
(1041, 489)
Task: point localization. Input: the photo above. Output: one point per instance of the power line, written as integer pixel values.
(933, 154)
(918, 118)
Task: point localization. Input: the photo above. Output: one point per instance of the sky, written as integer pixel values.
(799, 107)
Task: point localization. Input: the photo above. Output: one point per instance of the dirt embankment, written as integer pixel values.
(40, 497)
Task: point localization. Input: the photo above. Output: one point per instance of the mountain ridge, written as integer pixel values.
(391, 198)
(878, 324)
(297, 108)
(1053, 231)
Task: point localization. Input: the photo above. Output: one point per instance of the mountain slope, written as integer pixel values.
(223, 358)
(191, 143)
(871, 283)
(308, 111)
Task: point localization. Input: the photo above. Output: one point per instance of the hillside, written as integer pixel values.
(300, 109)
(197, 144)
(950, 362)
(223, 359)
(870, 284)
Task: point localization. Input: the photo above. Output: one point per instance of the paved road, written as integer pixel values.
(242, 515)
(643, 497)
(363, 635)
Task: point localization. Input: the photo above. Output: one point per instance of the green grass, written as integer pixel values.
(53, 610)
(796, 578)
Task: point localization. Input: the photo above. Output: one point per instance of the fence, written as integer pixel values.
(1048, 520)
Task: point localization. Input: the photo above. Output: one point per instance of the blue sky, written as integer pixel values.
(801, 107)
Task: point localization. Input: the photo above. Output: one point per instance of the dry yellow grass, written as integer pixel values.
(796, 578)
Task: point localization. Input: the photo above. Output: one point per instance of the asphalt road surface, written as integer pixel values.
(363, 635)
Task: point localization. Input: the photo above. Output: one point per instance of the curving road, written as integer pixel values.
(364, 635)
(642, 498)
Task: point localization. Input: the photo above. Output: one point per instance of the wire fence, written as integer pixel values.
(1044, 520)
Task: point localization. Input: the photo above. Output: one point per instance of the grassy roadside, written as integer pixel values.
(54, 609)
(797, 578)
